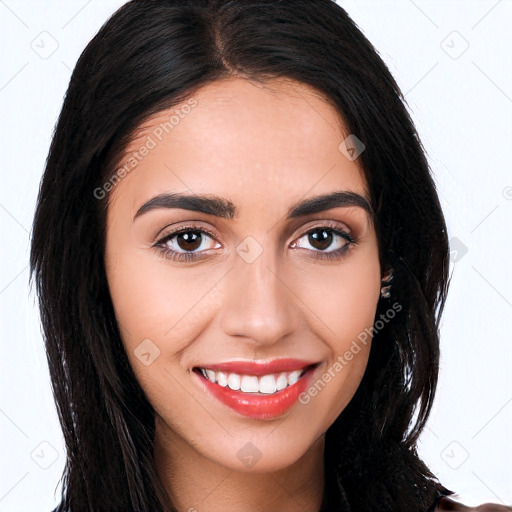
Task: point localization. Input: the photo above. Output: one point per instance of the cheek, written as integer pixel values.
(153, 301)
(345, 299)
(159, 314)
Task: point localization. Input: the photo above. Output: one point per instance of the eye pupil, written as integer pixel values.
(324, 240)
(189, 240)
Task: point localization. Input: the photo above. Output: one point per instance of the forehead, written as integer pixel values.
(254, 143)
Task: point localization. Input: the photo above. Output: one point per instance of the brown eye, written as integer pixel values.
(323, 238)
(320, 239)
(186, 244)
(189, 240)
(186, 240)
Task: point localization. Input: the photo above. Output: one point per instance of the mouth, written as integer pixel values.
(257, 390)
(266, 384)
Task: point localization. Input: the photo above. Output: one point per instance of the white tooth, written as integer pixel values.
(267, 384)
(210, 375)
(281, 381)
(294, 377)
(222, 379)
(249, 384)
(234, 381)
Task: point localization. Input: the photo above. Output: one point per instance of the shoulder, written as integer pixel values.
(446, 504)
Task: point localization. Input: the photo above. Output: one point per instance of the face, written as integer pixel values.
(227, 271)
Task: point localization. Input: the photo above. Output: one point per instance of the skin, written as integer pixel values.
(264, 148)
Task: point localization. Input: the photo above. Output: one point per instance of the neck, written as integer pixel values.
(196, 483)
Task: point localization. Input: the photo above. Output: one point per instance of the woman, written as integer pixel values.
(241, 262)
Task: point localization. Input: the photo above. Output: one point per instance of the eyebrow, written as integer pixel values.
(220, 207)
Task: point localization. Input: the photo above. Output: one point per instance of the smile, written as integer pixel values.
(257, 390)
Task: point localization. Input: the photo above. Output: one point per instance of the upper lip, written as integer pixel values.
(259, 368)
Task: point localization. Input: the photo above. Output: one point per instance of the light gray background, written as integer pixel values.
(452, 59)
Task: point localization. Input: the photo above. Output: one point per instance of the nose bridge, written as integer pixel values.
(257, 303)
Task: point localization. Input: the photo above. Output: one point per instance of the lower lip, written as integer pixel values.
(256, 405)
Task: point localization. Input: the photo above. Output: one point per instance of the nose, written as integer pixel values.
(258, 303)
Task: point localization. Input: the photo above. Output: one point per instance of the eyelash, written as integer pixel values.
(190, 256)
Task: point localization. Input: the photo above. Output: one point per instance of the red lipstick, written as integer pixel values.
(258, 405)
